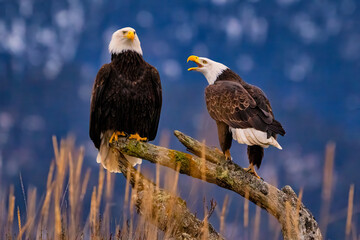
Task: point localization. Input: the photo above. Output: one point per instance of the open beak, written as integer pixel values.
(194, 59)
(130, 35)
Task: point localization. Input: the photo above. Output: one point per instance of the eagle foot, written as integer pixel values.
(228, 155)
(123, 134)
(137, 137)
(251, 170)
(115, 136)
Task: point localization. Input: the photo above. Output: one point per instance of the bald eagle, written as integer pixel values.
(241, 111)
(126, 99)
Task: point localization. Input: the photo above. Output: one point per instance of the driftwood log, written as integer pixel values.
(168, 212)
(210, 165)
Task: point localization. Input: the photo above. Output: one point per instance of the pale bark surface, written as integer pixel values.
(167, 211)
(210, 165)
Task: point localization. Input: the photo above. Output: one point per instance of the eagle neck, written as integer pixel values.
(229, 75)
(213, 74)
(127, 61)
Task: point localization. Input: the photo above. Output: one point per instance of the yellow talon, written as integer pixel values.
(251, 169)
(115, 136)
(228, 155)
(137, 137)
(121, 134)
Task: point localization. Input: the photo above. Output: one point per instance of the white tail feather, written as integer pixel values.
(251, 136)
(109, 157)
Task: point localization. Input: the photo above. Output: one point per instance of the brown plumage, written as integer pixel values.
(126, 99)
(240, 105)
(241, 111)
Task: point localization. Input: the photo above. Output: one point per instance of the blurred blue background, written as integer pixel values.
(305, 55)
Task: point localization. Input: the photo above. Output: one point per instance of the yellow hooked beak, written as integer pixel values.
(130, 35)
(194, 59)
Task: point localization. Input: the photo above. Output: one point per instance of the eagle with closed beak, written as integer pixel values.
(126, 99)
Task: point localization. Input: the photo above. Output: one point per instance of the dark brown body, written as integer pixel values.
(126, 97)
(232, 102)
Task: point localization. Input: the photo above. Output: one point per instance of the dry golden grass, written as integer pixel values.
(350, 211)
(222, 215)
(61, 212)
(246, 210)
(256, 230)
(327, 187)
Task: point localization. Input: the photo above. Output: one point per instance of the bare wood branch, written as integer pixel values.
(232, 177)
(168, 212)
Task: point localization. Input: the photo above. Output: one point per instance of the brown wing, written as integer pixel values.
(260, 98)
(229, 102)
(96, 106)
(263, 104)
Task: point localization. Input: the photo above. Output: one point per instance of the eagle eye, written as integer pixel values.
(124, 32)
(204, 61)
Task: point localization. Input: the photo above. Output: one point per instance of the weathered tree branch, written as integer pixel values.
(168, 212)
(296, 220)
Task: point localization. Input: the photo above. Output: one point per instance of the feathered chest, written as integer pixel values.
(125, 86)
